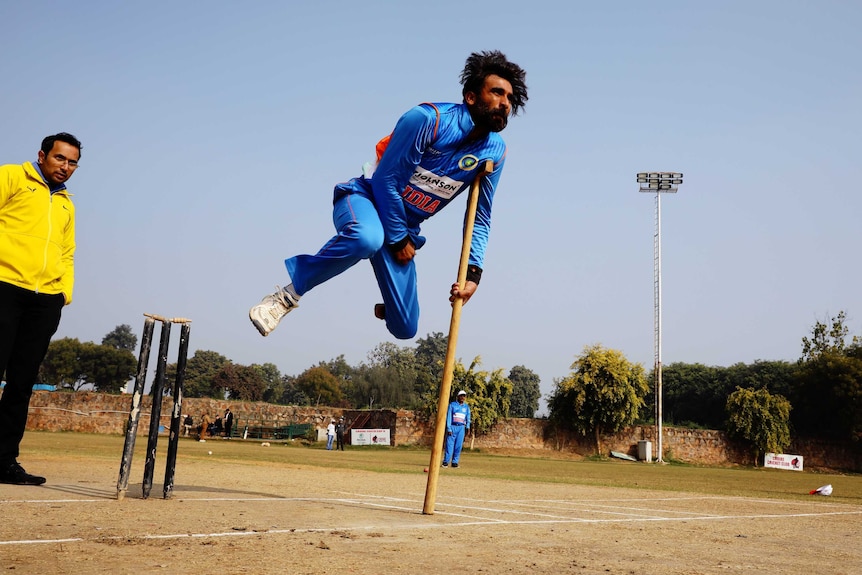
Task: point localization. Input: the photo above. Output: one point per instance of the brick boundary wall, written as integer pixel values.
(92, 412)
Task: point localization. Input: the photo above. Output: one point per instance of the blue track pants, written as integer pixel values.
(454, 443)
(360, 236)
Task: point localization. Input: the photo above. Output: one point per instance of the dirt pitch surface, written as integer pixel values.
(229, 516)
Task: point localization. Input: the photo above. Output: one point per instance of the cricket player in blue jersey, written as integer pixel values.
(457, 426)
(432, 155)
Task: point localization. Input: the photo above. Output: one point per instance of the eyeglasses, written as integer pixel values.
(61, 159)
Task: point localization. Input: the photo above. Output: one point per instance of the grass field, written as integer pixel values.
(293, 508)
(758, 482)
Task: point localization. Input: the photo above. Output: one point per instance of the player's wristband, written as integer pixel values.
(474, 274)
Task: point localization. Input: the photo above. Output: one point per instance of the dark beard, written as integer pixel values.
(487, 119)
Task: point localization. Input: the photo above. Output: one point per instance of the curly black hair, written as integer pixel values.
(480, 65)
(48, 142)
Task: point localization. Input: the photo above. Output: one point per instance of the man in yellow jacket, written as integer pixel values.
(37, 250)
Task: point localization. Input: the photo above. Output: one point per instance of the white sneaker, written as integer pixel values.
(266, 315)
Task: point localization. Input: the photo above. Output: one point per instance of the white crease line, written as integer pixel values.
(387, 497)
(593, 508)
(476, 508)
(32, 541)
(54, 501)
(585, 507)
(783, 503)
(417, 526)
(515, 512)
(551, 520)
(647, 514)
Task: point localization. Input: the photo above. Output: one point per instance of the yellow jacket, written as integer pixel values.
(37, 232)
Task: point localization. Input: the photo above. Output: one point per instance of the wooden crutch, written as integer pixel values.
(449, 367)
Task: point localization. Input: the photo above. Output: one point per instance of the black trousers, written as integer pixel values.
(27, 322)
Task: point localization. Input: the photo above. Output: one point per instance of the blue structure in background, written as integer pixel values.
(37, 387)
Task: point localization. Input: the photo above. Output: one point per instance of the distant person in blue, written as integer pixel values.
(457, 426)
(431, 156)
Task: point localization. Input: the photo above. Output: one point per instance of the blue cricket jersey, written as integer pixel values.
(425, 164)
(458, 414)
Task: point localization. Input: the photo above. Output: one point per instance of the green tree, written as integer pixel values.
(603, 393)
(697, 394)
(107, 368)
(121, 337)
(828, 394)
(488, 394)
(338, 367)
(60, 366)
(429, 359)
(241, 382)
(827, 340)
(320, 386)
(201, 370)
(692, 393)
(346, 375)
(760, 419)
(71, 364)
(270, 374)
(387, 379)
(525, 392)
(777, 377)
(285, 393)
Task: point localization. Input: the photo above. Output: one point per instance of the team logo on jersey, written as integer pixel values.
(468, 162)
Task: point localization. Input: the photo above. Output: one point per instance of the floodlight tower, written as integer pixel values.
(658, 183)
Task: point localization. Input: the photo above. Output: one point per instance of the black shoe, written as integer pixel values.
(379, 311)
(454, 465)
(13, 473)
(445, 464)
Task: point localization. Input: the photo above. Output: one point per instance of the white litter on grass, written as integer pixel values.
(265, 444)
(823, 490)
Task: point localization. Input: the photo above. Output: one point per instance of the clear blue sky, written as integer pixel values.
(214, 132)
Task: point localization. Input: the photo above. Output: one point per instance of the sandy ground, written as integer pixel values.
(271, 518)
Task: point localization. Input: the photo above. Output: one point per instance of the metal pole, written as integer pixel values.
(658, 182)
(659, 450)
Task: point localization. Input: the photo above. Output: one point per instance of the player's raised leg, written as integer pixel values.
(359, 234)
(400, 308)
